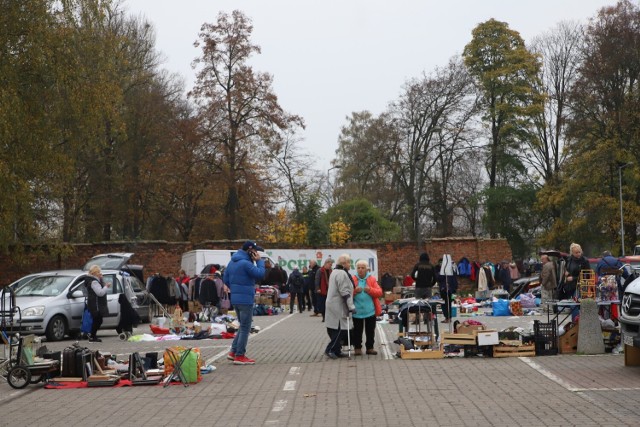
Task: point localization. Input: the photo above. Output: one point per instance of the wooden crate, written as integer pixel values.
(423, 354)
(459, 339)
(513, 350)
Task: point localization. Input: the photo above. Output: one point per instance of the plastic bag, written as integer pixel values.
(87, 322)
(501, 307)
(528, 301)
(190, 366)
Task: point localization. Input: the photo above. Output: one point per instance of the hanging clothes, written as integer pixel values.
(159, 288)
(208, 292)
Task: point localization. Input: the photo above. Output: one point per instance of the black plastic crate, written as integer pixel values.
(545, 338)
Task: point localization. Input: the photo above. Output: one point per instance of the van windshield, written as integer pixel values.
(43, 286)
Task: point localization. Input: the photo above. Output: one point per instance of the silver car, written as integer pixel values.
(51, 303)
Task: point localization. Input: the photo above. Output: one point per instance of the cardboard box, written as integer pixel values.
(469, 329)
(487, 337)
(568, 342)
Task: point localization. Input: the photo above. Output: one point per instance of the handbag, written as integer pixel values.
(87, 321)
(225, 303)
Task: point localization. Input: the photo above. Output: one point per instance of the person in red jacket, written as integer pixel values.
(322, 285)
(366, 298)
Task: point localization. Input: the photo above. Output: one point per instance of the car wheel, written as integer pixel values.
(57, 328)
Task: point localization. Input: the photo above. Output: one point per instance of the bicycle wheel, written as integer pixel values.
(19, 377)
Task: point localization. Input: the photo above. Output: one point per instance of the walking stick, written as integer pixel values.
(348, 337)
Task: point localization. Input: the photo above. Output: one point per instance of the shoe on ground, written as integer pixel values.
(341, 355)
(357, 352)
(371, 351)
(231, 355)
(446, 321)
(243, 360)
(93, 339)
(331, 355)
(314, 315)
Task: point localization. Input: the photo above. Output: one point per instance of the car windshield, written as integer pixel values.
(43, 286)
(106, 262)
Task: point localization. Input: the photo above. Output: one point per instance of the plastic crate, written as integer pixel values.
(545, 338)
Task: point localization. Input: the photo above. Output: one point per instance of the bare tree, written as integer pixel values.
(560, 51)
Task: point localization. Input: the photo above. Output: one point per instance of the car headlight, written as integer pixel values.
(33, 311)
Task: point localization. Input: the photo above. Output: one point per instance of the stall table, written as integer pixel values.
(565, 308)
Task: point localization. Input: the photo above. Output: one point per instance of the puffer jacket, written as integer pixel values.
(241, 276)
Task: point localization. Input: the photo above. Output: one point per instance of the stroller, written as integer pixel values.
(129, 318)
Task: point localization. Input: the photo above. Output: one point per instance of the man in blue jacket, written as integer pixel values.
(245, 269)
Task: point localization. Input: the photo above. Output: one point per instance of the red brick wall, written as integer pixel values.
(396, 258)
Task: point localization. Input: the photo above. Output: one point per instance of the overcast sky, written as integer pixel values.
(332, 57)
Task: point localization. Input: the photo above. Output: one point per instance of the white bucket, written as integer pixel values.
(161, 321)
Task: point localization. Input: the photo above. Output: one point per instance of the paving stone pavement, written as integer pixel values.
(294, 384)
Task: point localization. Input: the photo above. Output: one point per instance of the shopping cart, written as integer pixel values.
(18, 364)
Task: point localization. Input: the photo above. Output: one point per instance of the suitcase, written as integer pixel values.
(69, 362)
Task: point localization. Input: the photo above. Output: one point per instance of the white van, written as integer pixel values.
(194, 261)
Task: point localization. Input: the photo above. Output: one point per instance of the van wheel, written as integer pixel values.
(57, 328)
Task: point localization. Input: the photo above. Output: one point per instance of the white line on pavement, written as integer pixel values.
(384, 344)
(289, 386)
(224, 352)
(295, 370)
(279, 405)
(548, 374)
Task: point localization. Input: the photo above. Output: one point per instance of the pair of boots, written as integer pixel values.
(358, 351)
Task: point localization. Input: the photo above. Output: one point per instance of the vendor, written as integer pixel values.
(576, 263)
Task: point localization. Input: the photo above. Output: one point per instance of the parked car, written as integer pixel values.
(51, 303)
(120, 261)
(630, 311)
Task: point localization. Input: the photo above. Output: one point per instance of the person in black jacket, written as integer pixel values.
(575, 264)
(96, 300)
(310, 284)
(295, 283)
(425, 276)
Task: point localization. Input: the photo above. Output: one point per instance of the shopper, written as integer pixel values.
(339, 306)
(97, 291)
(245, 269)
(366, 298)
(322, 284)
(295, 285)
(425, 276)
(312, 302)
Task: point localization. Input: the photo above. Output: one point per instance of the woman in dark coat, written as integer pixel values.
(96, 300)
(576, 263)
